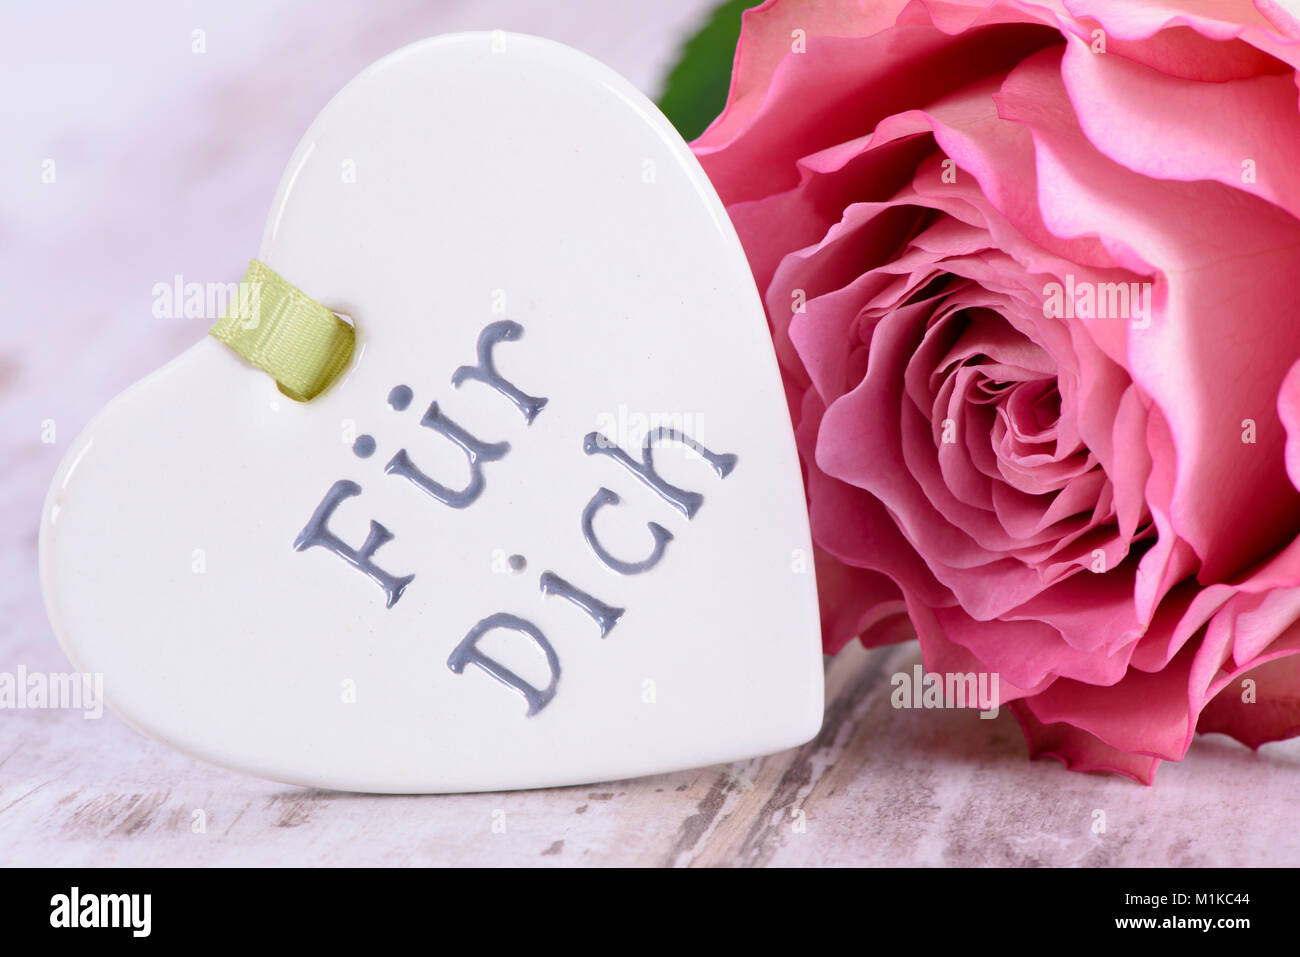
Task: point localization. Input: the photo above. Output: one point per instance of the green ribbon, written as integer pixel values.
(284, 332)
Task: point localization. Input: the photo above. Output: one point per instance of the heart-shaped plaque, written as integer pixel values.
(547, 526)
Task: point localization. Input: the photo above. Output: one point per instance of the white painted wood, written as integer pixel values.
(879, 787)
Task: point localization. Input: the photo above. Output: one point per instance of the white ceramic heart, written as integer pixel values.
(462, 181)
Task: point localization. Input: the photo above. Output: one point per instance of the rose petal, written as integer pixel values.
(1270, 711)
(1080, 751)
(1230, 500)
(1155, 125)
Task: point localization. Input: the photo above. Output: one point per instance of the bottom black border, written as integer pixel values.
(996, 907)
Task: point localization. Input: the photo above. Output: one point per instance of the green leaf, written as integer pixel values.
(696, 89)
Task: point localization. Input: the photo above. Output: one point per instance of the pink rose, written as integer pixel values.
(1031, 268)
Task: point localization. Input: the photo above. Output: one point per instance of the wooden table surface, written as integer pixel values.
(878, 786)
(150, 186)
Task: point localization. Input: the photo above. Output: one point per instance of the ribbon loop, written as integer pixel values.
(284, 332)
